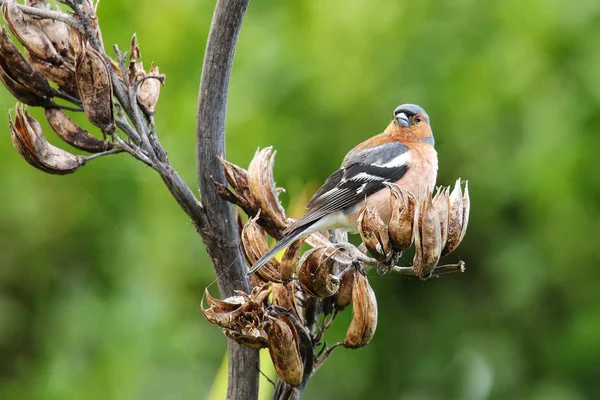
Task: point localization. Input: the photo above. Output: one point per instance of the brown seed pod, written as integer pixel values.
(314, 272)
(56, 31)
(21, 92)
(343, 297)
(282, 296)
(253, 338)
(441, 203)
(455, 219)
(95, 89)
(364, 313)
(263, 188)
(63, 76)
(284, 348)
(149, 90)
(254, 244)
(17, 67)
(400, 228)
(29, 33)
(74, 135)
(289, 260)
(466, 211)
(29, 140)
(428, 238)
(374, 233)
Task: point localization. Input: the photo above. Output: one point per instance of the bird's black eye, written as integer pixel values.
(418, 119)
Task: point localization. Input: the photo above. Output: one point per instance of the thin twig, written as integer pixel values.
(116, 150)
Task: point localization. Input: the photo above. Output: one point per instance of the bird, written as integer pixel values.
(403, 154)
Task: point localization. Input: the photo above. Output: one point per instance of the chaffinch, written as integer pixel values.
(403, 154)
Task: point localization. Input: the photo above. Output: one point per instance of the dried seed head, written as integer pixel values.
(441, 203)
(72, 134)
(364, 313)
(458, 217)
(254, 243)
(284, 348)
(28, 139)
(263, 188)
(428, 238)
(29, 33)
(373, 232)
(343, 297)
(242, 316)
(95, 89)
(400, 228)
(315, 272)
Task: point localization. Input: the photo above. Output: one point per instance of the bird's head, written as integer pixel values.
(410, 123)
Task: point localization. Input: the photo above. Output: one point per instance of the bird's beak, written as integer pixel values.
(402, 119)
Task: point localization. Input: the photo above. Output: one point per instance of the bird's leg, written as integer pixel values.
(386, 266)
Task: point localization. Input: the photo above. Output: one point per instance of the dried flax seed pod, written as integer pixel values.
(441, 203)
(284, 348)
(263, 188)
(458, 217)
(254, 244)
(29, 140)
(364, 313)
(428, 238)
(400, 228)
(95, 89)
(343, 298)
(149, 90)
(16, 66)
(374, 233)
(73, 134)
(315, 272)
(29, 33)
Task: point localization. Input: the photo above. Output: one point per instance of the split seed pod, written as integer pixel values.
(95, 89)
(458, 217)
(289, 259)
(241, 316)
(374, 233)
(74, 135)
(441, 202)
(364, 313)
(254, 243)
(22, 73)
(262, 186)
(314, 272)
(63, 76)
(428, 238)
(149, 83)
(343, 297)
(400, 228)
(29, 140)
(149, 90)
(284, 348)
(29, 33)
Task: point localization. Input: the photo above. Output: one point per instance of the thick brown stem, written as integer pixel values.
(220, 234)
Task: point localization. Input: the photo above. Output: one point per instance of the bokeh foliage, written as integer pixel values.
(101, 274)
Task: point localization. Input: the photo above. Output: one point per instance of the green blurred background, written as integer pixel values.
(101, 273)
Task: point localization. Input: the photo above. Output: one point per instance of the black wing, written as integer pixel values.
(362, 174)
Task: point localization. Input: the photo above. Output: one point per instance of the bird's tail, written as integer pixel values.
(282, 244)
